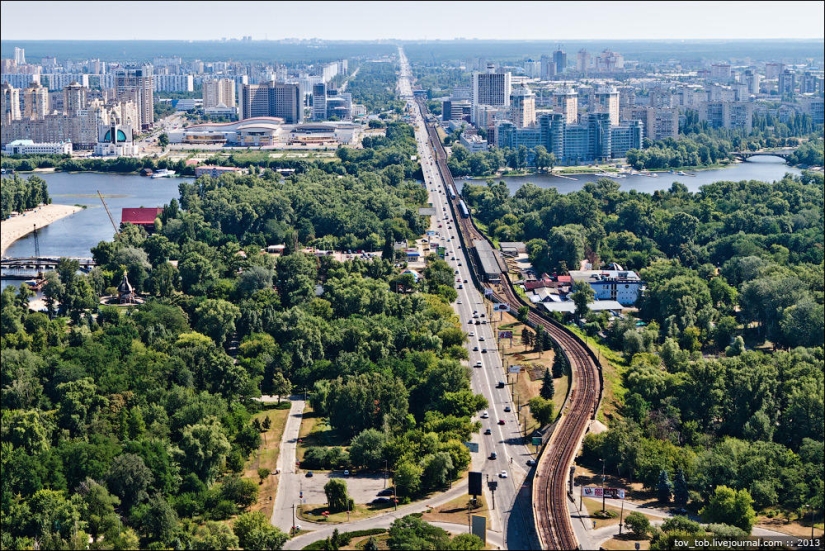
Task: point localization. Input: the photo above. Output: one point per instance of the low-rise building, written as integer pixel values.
(29, 147)
(623, 286)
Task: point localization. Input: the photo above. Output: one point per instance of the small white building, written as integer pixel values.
(28, 147)
(623, 286)
(474, 143)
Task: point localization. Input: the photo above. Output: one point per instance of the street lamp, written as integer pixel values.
(602, 460)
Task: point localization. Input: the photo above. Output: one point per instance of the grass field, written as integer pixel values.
(456, 511)
(266, 457)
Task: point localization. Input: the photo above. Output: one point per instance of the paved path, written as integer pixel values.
(288, 481)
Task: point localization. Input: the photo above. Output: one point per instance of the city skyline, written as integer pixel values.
(421, 21)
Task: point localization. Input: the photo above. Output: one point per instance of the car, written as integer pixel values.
(385, 492)
(501, 421)
(531, 462)
(481, 338)
(477, 322)
(679, 511)
(346, 472)
(471, 334)
(483, 350)
(488, 431)
(478, 364)
(456, 271)
(507, 409)
(500, 384)
(483, 322)
(465, 281)
(309, 474)
(470, 322)
(502, 474)
(493, 455)
(380, 500)
(458, 302)
(475, 349)
(460, 264)
(482, 315)
(460, 286)
(485, 415)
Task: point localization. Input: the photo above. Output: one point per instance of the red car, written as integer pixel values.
(501, 421)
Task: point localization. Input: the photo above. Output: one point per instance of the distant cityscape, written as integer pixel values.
(582, 107)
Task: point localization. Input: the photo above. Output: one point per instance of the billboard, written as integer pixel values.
(475, 483)
(479, 527)
(514, 369)
(488, 292)
(441, 251)
(505, 334)
(613, 493)
(502, 307)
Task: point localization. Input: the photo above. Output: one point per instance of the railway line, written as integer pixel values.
(551, 515)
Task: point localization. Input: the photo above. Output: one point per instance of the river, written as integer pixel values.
(77, 234)
(766, 169)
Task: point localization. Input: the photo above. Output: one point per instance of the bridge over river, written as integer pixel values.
(25, 267)
(783, 152)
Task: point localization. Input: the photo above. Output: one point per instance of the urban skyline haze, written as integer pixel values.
(414, 20)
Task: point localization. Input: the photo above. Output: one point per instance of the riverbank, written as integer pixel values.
(14, 228)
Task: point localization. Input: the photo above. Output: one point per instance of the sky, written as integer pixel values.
(504, 20)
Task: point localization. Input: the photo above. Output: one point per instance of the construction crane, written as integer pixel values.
(36, 243)
(112, 220)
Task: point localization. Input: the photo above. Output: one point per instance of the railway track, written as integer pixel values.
(550, 512)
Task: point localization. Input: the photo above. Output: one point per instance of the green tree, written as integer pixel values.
(729, 506)
(664, 488)
(437, 470)
(367, 449)
(680, 488)
(214, 535)
(204, 448)
(638, 524)
(263, 472)
(466, 542)
(582, 296)
(337, 497)
(407, 478)
(547, 389)
(541, 409)
(163, 140)
(216, 318)
(281, 386)
(128, 478)
(255, 532)
(411, 533)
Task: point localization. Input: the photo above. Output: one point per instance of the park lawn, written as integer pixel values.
(312, 513)
(625, 541)
(358, 543)
(591, 505)
(266, 456)
(613, 366)
(795, 528)
(316, 431)
(455, 511)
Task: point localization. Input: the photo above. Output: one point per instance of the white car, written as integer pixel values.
(485, 415)
(502, 474)
(472, 334)
(481, 338)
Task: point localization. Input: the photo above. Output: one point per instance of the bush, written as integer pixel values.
(638, 524)
(726, 531)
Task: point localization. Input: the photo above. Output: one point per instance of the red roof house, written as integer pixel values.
(141, 216)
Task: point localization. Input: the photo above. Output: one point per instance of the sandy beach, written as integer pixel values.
(16, 227)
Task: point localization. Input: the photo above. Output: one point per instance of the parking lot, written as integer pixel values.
(363, 488)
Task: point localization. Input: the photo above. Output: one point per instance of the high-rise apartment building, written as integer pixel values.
(787, 83)
(19, 56)
(560, 59)
(9, 103)
(548, 67)
(773, 70)
(566, 102)
(582, 61)
(319, 101)
(606, 100)
(35, 101)
(753, 80)
(74, 99)
(272, 100)
(491, 88)
(137, 84)
(523, 107)
(219, 92)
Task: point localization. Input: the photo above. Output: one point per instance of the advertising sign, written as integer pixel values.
(488, 292)
(514, 369)
(502, 307)
(613, 493)
(441, 251)
(505, 334)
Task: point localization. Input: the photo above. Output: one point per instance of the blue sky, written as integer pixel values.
(410, 20)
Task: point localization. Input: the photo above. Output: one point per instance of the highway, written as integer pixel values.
(504, 438)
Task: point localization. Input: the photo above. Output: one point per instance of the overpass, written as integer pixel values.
(783, 152)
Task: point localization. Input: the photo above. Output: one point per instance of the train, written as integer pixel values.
(451, 192)
(463, 208)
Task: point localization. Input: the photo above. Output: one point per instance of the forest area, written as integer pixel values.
(722, 365)
(129, 427)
